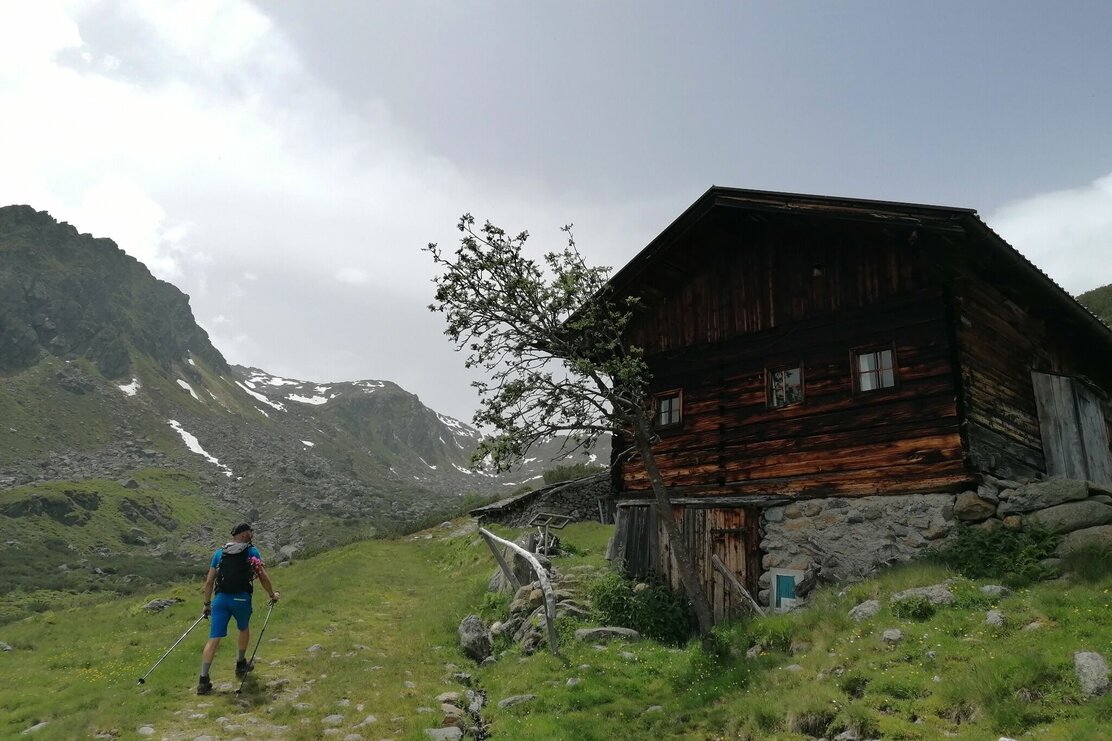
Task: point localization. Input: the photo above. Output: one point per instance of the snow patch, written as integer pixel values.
(130, 388)
(426, 463)
(262, 412)
(461, 469)
(194, 446)
(190, 361)
(307, 443)
(259, 397)
(316, 400)
(189, 388)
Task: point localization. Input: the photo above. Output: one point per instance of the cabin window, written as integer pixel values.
(668, 409)
(783, 597)
(874, 369)
(785, 386)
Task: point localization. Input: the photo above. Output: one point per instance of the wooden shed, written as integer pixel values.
(816, 348)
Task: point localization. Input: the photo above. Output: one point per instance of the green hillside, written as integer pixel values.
(1099, 301)
(383, 617)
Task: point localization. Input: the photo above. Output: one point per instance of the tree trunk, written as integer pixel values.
(692, 587)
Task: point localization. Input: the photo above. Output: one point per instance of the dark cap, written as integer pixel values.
(241, 528)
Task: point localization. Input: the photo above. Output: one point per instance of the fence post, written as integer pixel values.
(542, 577)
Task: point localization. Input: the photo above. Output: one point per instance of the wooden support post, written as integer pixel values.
(737, 585)
(506, 570)
(542, 577)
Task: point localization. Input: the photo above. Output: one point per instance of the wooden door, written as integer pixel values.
(1073, 429)
(733, 538)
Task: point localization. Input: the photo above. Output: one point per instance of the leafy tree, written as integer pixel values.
(551, 341)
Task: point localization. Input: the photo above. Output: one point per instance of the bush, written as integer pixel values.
(1015, 556)
(1089, 563)
(655, 611)
(915, 607)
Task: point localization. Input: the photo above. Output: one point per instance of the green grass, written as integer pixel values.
(386, 613)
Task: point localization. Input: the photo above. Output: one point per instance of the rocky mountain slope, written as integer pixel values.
(106, 377)
(1099, 301)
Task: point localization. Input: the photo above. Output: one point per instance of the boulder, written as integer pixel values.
(606, 634)
(1043, 494)
(1092, 672)
(865, 610)
(936, 594)
(968, 507)
(515, 700)
(1088, 537)
(474, 638)
(892, 636)
(1065, 518)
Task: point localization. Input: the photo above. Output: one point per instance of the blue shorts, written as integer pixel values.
(224, 607)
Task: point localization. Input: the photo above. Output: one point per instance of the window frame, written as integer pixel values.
(769, 370)
(677, 394)
(855, 368)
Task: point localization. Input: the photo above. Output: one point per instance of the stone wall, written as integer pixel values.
(845, 539)
(578, 499)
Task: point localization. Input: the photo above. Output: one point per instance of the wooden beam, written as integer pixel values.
(542, 577)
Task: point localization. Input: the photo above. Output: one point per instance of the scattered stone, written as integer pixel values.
(936, 594)
(353, 737)
(968, 507)
(366, 722)
(754, 651)
(449, 733)
(892, 636)
(4, 646)
(463, 678)
(474, 638)
(515, 700)
(452, 697)
(158, 605)
(314, 648)
(654, 709)
(1092, 671)
(995, 618)
(573, 681)
(794, 668)
(332, 720)
(607, 634)
(145, 730)
(865, 610)
(35, 728)
(1034, 625)
(410, 685)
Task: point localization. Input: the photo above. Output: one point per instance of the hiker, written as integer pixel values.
(231, 572)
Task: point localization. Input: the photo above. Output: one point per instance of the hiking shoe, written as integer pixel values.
(204, 686)
(242, 667)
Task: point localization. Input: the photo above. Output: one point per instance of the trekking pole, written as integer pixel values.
(143, 678)
(260, 640)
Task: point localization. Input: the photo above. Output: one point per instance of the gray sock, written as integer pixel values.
(241, 655)
(205, 666)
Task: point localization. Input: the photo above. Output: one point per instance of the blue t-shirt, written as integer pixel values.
(252, 553)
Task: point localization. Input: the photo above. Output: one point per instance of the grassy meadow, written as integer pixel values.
(384, 615)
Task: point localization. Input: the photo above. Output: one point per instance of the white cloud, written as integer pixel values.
(1066, 233)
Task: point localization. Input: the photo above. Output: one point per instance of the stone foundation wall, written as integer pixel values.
(845, 539)
(578, 499)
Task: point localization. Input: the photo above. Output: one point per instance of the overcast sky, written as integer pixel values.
(284, 162)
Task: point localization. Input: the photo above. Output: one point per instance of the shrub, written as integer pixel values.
(915, 607)
(655, 611)
(1088, 563)
(854, 685)
(1015, 556)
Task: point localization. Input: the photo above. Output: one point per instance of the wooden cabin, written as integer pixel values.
(808, 348)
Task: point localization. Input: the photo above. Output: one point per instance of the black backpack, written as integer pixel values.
(234, 573)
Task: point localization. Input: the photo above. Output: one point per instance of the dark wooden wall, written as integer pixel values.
(734, 302)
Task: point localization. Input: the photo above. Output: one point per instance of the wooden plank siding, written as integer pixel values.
(728, 532)
(742, 293)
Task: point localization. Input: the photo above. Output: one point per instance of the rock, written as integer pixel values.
(462, 678)
(450, 733)
(865, 610)
(754, 651)
(1092, 672)
(4, 646)
(606, 634)
(332, 720)
(968, 507)
(936, 594)
(1071, 516)
(366, 722)
(474, 638)
(995, 618)
(158, 605)
(892, 636)
(145, 730)
(573, 681)
(1043, 494)
(314, 648)
(995, 590)
(654, 709)
(1012, 522)
(452, 697)
(35, 728)
(793, 668)
(1087, 537)
(515, 700)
